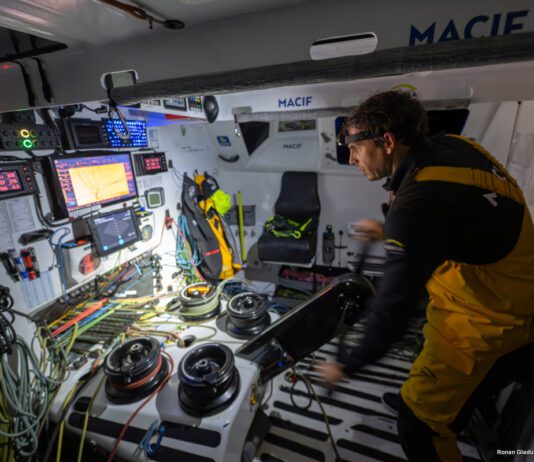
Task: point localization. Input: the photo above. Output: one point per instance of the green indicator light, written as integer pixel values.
(27, 144)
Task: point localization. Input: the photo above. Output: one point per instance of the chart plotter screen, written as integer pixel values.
(92, 180)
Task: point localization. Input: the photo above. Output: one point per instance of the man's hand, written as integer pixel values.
(368, 229)
(331, 373)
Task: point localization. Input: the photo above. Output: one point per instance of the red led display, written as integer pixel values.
(9, 181)
(152, 163)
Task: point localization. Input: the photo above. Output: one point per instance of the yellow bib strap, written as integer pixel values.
(487, 155)
(473, 177)
(470, 177)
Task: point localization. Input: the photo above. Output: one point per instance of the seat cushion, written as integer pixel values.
(287, 249)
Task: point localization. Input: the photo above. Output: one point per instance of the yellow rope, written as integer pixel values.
(86, 420)
(62, 426)
(73, 338)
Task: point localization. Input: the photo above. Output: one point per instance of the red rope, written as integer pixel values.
(142, 381)
(144, 403)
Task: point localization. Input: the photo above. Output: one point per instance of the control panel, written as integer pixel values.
(150, 163)
(16, 179)
(178, 104)
(26, 136)
(137, 129)
(195, 103)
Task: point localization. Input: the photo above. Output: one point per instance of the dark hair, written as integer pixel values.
(391, 111)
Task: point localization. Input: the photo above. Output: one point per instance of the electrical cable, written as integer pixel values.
(47, 89)
(114, 108)
(292, 397)
(62, 426)
(266, 400)
(86, 419)
(140, 13)
(143, 404)
(61, 418)
(96, 111)
(187, 255)
(27, 83)
(42, 217)
(26, 391)
(325, 417)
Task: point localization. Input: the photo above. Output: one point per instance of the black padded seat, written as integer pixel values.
(299, 201)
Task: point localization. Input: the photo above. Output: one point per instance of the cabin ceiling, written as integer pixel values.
(239, 45)
(86, 23)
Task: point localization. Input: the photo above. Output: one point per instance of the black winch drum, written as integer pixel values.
(199, 301)
(247, 315)
(209, 380)
(134, 370)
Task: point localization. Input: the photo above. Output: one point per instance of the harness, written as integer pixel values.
(280, 226)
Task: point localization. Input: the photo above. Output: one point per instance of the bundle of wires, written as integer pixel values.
(76, 322)
(25, 388)
(57, 248)
(187, 255)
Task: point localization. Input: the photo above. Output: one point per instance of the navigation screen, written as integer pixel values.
(10, 181)
(114, 230)
(92, 180)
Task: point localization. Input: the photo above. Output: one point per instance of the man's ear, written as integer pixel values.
(390, 142)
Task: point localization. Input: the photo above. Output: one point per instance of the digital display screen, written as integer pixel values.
(295, 125)
(175, 103)
(114, 230)
(137, 129)
(152, 163)
(99, 179)
(9, 181)
(87, 134)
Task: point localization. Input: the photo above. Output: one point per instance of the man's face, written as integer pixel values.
(369, 156)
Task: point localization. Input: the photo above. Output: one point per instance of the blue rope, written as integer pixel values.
(183, 260)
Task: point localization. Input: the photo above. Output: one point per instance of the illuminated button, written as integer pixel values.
(24, 133)
(27, 144)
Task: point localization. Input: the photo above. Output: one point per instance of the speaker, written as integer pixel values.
(211, 108)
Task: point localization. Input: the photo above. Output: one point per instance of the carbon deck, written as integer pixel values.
(362, 428)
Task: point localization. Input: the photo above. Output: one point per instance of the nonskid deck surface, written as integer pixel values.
(362, 428)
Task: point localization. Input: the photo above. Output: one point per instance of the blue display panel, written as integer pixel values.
(86, 181)
(138, 137)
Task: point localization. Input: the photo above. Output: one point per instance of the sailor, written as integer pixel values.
(457, 222)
